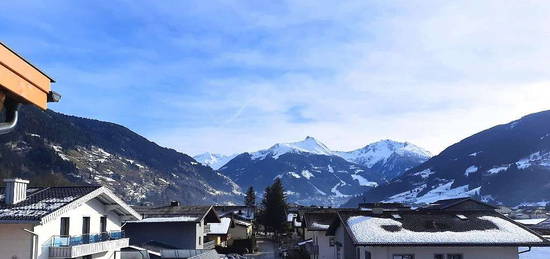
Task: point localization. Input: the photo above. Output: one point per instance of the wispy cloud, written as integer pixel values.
(231, 76)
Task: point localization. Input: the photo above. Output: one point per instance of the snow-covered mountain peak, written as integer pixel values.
(308, 145)
(382, 150)
(215, 161)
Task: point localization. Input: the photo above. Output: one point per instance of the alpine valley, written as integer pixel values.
(507, 164)
(314, 174)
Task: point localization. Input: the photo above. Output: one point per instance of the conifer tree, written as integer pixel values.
(250, 199)
(274, 207)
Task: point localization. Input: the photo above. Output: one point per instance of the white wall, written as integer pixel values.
(14, 241)
(323, 241)
(200, 234)
(93, 209)
(429, 252)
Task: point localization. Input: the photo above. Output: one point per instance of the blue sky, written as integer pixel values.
(233, 76)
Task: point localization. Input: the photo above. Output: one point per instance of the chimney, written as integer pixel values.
(16, 190)
(174, 203)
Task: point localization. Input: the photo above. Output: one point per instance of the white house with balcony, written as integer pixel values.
(61, 222)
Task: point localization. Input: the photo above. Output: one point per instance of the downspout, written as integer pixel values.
(12, 114)
(528, 250)
(33, 243)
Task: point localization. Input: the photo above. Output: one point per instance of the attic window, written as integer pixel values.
(462, 217)
(396, 216)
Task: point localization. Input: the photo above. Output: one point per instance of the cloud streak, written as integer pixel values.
(233, 76)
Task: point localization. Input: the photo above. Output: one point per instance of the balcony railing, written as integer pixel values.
(65, 241)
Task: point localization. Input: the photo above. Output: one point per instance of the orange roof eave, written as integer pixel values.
(22, 79)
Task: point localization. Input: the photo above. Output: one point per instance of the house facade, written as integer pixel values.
(445, 230)
(180, 227)
(61, 222)
(316, 225)
(240, 229)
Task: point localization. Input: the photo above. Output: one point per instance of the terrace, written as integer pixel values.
(82, 245)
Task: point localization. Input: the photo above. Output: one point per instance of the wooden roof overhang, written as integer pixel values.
(23, 81)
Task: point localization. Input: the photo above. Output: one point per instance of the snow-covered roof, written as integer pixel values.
(290, 217)
(166, 219)
(319, 221)
(483, 228)
(220, 228)
(46, 203)
(530, 221)
(177, 213)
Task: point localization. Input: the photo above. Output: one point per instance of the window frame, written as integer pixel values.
(403, 256)
(65, 224)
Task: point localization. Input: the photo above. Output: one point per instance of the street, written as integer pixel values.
(267, 249)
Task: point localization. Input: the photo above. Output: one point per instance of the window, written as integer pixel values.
(454, 256)
(403, 256)
(200, 243)
(64, 231)
(103, 224)
(439, 256)
(367, 255)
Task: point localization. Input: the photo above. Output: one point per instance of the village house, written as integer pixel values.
(315, 226)
(241, 230)
(61, 222)
(219, 232)
(450, 229)
(172, 227)
(244, 213)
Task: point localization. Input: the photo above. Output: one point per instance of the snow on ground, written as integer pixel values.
(443, 191)
(470, 170)
(406, 196)
(295, 175)
(363, 181)
(336, 192)
(537, 158)
(306, 174)
(370, 230)
(535, 253)
(424, 173)
(317, 189)
(498, 169)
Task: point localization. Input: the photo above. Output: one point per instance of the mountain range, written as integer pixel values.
(51, 148)
(507, 164)
(314, 174)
